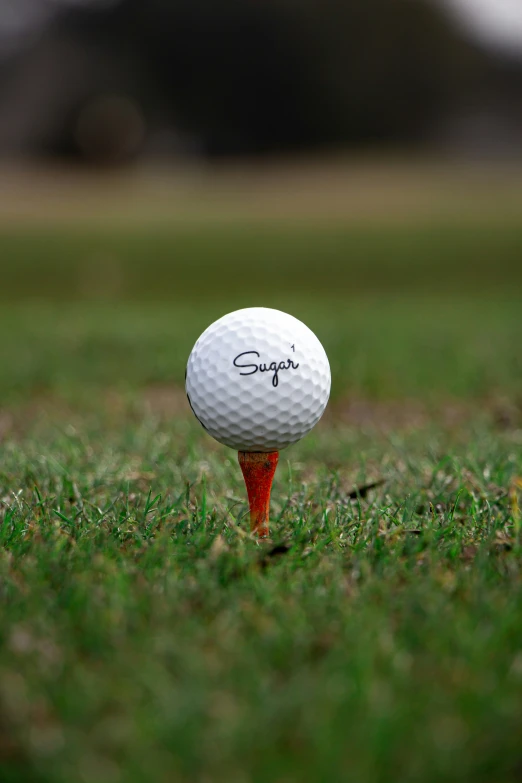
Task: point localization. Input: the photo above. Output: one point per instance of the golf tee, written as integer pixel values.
(258, 471)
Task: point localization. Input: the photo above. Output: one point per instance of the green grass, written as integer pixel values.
(144, 635)
(203, 262)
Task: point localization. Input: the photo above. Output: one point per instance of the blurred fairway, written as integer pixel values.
(411, 274)
(207, 263)
(378, 636)
(401, 310)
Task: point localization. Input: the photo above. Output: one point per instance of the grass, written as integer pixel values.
(208, 263)
(144, 635)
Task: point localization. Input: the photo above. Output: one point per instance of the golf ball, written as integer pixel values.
(258, 379)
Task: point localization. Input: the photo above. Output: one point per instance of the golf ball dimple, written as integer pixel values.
(258, 379)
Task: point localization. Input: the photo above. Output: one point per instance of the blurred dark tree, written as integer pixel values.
(252, 76)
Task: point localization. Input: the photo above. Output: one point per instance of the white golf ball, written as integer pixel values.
(258, 379)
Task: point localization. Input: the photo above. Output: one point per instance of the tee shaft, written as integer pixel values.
(258, 471)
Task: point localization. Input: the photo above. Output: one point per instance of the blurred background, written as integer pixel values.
(107, 81)
(183, 158)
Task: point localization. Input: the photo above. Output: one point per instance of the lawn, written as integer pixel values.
(377, 636)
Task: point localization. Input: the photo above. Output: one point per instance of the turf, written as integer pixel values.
(203, 263)
(378, 635)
